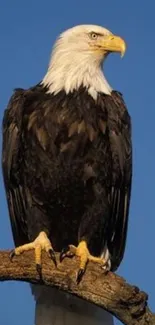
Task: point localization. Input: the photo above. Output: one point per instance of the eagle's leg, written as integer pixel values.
(40, 243)
(83, 253)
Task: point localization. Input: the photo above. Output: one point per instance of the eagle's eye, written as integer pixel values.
(93, 35)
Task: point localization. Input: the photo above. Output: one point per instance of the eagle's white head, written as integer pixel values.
(77, 59)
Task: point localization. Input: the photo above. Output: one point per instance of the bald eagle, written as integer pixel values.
(67, 156)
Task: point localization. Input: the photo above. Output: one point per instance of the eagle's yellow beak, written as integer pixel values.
(113, 43)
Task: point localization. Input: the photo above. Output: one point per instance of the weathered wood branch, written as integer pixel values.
(109, 291)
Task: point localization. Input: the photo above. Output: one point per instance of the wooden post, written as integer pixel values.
(55, 307)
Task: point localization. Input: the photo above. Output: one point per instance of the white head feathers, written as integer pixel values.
(76, 60)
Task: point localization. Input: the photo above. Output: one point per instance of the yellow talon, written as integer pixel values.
(40, 243)
(83, 253)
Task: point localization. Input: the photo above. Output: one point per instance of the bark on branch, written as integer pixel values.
(109, 291)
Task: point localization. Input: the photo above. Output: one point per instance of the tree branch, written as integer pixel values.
(109, 291)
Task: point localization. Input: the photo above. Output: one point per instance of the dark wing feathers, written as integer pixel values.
(10, 161)
(120, 140)
(112, 116)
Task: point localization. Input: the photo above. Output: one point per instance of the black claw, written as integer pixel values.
(63, 253)
(52, 256)
(12, 254)
(80, 275)
(39, 269)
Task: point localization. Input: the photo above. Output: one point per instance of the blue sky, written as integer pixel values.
(28, 30)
